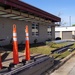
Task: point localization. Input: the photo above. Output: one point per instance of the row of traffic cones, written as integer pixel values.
(15, 46)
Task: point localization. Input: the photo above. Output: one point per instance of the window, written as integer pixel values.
(35, 29)
(49, 30)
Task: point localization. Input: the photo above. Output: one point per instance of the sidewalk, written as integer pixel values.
(9, 58)
(66, 68)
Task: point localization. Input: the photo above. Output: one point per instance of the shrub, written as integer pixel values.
(57, 38)
(35, 41)
(48, 39)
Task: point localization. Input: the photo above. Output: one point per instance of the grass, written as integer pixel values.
(42, 49)
(46, 49)
(58, 45)
(73, 46)
(61, 55)
(66, 53)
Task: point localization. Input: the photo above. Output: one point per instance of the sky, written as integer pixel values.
(65, 9)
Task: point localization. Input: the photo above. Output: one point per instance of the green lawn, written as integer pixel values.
(48, 48)
(61, 55)
(42, 49)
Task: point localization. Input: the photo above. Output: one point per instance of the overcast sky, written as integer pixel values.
(65, 9)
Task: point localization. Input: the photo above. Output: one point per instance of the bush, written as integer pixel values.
(48, 39)
(57, 38)
(35, 41)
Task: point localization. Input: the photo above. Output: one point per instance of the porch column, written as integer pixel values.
(61, 34)
(53, 32)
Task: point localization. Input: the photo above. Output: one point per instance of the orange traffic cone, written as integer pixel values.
(27, 44)
(0, 62)
(15, 46)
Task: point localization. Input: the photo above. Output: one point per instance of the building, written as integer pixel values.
(41, 23)
(65, 32)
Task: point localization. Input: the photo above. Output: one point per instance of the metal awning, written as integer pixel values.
(26, 10)
(22, 16)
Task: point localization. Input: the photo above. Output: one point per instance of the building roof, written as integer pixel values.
(67, 28)
(29, 9)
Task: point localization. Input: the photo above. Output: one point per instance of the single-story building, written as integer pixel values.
(41, 23)
(65, 32)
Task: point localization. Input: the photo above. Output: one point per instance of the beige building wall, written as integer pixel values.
(53, 32)
(6, 25)
(61, 34)
(73, 32)
(42, 34)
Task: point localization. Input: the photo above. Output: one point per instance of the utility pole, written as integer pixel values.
(70, 20)
(59, 14)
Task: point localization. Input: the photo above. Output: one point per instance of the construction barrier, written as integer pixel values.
(15, 46)
(27, 44)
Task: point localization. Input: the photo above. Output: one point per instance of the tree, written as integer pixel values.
(62, 23)
(73, 25)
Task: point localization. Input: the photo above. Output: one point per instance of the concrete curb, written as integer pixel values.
(64, 60)
(60, 64)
